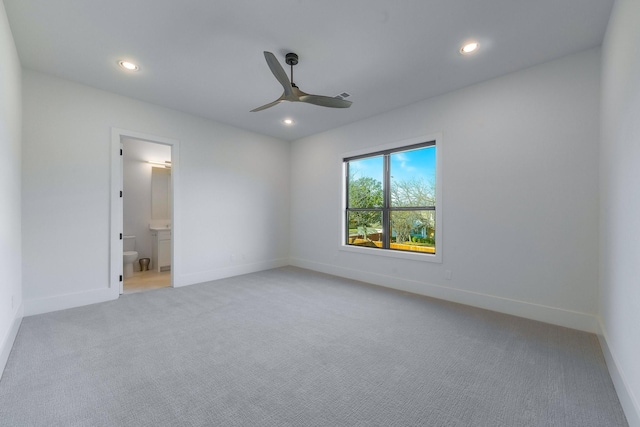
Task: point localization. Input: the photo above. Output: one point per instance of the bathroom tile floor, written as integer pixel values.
(147, 280)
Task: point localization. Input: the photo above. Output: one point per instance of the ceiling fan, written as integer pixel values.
(291, 91)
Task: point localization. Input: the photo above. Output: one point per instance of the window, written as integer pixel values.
(391, 202)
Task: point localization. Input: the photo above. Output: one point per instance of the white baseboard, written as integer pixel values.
(222, 273)
(628, 400)
(62, 302)
(556, 316)
(9, 338)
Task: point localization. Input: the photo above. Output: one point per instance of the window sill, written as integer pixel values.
(414, 256)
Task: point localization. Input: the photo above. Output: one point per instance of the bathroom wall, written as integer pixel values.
(233, 190)
(10, 185)
(137, 190)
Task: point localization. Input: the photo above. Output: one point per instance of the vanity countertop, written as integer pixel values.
(159, 228)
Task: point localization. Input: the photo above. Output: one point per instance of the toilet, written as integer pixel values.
(129, 256)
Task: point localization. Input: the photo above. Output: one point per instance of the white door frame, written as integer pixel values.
(115, 261)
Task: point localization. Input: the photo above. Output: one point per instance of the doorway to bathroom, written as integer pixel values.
(143, 213)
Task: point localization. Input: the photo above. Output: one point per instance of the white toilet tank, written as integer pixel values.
(129, 243)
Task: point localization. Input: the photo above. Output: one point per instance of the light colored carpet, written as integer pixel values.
(290, 347)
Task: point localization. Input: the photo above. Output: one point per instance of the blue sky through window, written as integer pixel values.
(418, 164)
(370, 167)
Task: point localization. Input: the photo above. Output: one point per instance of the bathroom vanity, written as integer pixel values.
(161, 248)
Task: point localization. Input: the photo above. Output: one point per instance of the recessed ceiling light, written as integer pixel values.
(288, 122)
(469, 47)
(129, 66)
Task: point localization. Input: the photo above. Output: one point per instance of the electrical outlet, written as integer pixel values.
(447, 274)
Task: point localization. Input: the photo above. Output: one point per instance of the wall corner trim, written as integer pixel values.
(7, 342)
(628, 400)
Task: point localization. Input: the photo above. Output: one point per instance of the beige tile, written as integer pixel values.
(146, 280)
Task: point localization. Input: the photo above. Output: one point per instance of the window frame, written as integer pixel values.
(397, 146)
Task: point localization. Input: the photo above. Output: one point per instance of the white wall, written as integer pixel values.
(520, 202)
(137, 191)
(10, 184)
(620, 204)
(234, 192)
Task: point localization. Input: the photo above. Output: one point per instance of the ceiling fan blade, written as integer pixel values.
(269, 105)
(278, 72)
(325, 101)
(291, 92)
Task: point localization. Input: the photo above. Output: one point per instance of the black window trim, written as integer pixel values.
(386, 209)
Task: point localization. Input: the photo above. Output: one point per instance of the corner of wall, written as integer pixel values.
(628, 400)
(7, 342)
(10, 189)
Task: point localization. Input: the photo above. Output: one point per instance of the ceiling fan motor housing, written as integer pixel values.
(291, 58)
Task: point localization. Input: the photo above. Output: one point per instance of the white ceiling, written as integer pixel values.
(205, 57)
(144, 151)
